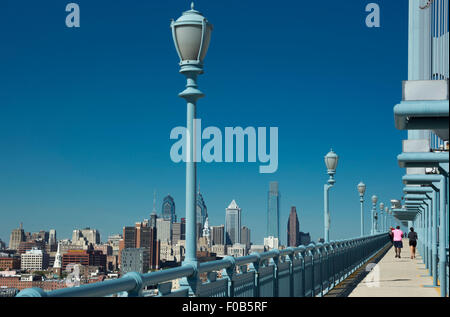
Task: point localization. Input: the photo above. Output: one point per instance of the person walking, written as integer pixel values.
(412, 236)
(391, 235)
(398, 244)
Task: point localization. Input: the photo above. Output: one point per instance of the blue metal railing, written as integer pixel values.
(311, 270)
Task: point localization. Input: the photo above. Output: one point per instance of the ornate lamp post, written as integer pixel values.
(362, 190)
(191, 35)
(381, 216)
(374, 212)
(331, 160)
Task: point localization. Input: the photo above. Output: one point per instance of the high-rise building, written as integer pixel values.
(2, 245)
(245, 237)
(114, 242)
(217, 235)
(17, 236)
(52, 237)
(85, 236)
(141, 236)
(178, 232)
(233, 224)
(202, 211)
(163, 230)
(168, 209)
(273, 211)
(293, 229)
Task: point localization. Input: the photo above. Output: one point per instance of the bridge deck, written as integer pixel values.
(393, 277)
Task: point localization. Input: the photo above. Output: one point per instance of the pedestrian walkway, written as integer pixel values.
(393, 277)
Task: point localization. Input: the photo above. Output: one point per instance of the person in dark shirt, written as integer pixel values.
(412, 236)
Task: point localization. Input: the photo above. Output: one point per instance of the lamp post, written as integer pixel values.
(374, 209)
(381, 216)
(331, 160)
(191, 35)
(362, 190)
(386, 213)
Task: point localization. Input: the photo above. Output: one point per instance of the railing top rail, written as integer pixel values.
(133, 282)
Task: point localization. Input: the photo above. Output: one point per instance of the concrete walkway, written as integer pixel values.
(394, 277)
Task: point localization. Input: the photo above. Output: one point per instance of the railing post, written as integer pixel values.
(290, 258)
(276, 260)
(229, 273)
(254, 266)
(139, 283)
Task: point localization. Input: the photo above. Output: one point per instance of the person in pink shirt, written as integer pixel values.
(398, 244)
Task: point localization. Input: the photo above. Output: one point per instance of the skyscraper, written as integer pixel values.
(17, 236)
(273, 211)
(168, 209)
(293, 229)
(52, 237)
(217, 234)
(232, 224)
(202, 211)
(245, 237)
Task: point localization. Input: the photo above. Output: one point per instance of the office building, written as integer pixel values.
(168, 209)
(163, 230)
(273, 211)
(178, 231)
(293, 229)
(245, 237)
(85, 237)
(232, 224)
(202, 211)
(217, 235)
(135, 260)
(34, 260)
(17, 236)
(85, 258)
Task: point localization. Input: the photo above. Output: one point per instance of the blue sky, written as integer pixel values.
(86, 113)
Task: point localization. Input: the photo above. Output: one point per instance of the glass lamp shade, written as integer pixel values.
(361, 188)
(381, 206)
(191, 35)
(331, 160)
(374, 199)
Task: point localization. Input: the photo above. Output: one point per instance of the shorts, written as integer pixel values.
(398, 244)
(412, 243)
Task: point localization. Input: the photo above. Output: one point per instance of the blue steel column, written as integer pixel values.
(374, 207)
(361, 200)
(443, 236)
(326, 188)
(434, 256)
(191, 94)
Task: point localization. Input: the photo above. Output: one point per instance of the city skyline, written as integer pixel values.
(89, 140)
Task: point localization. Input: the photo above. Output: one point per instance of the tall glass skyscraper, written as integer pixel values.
(232, 224)
(168, 209)
(202, 211)
(273, 211)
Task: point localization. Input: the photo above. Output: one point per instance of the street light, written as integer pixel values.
(374, 215)
(381, 216)
(386, 213)
(331, 160)
(362, 190)
(191, 35)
